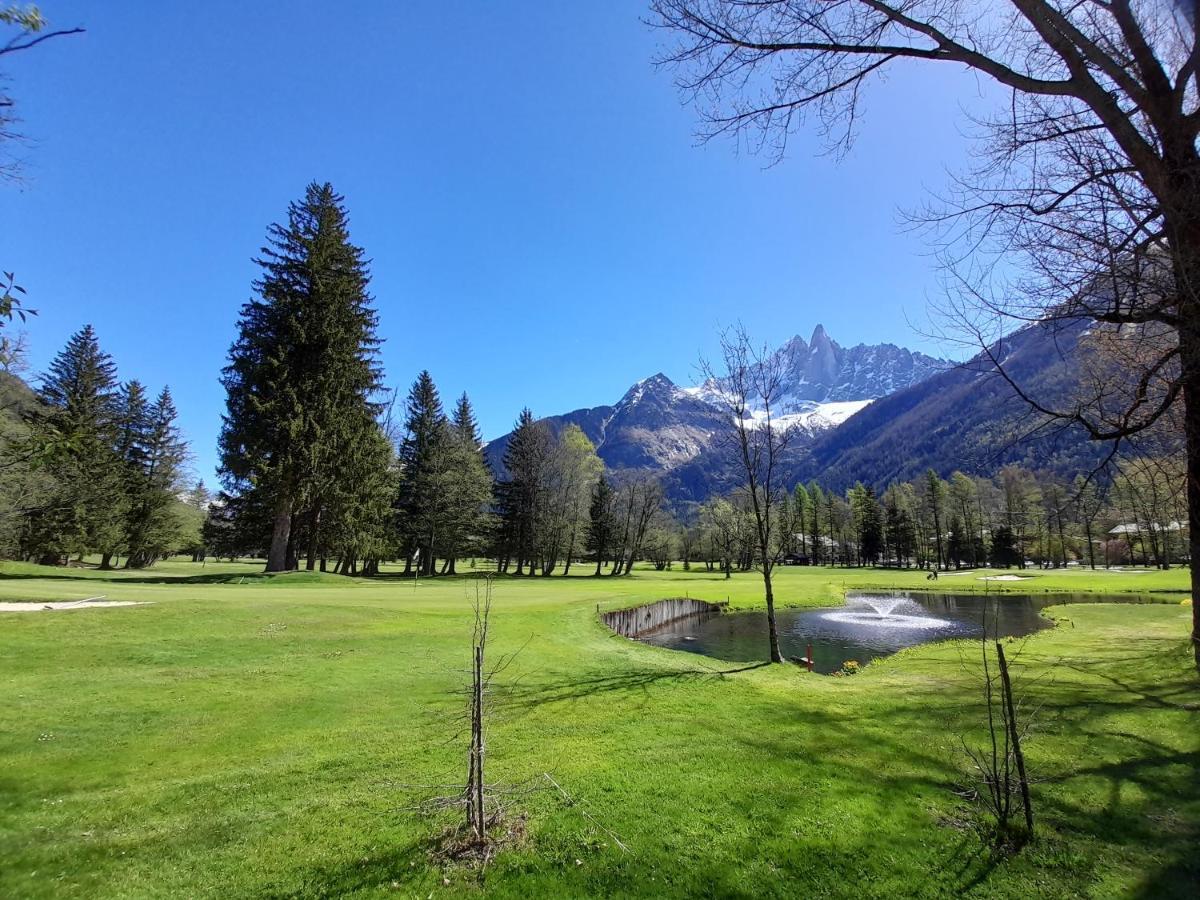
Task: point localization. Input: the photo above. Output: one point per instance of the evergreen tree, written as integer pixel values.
(84, 509)
(133, 423)
(426, 468)
(520, 496)
(963, 496)
(900, 530)
(195, 513)
(802, 504)
(360, 531)
(600, 521)
(935, 500)
(470, 485)
(302, 372)
(814, 522)
(868, 523)
(154, 525)
(1005, 551)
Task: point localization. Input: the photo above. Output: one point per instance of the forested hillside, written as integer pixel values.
(967, 418)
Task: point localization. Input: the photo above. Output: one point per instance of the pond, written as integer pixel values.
(869, 626)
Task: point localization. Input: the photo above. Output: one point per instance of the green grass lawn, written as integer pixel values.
(261, 736)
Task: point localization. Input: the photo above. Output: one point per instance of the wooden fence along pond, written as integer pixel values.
(643, 620)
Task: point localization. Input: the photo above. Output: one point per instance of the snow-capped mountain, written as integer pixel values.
(659, 427)
(820, 375)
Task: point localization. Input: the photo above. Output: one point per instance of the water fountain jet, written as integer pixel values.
(885, 611)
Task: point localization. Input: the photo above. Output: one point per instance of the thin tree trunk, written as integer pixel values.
(773, 630)
(1015, 737)
(314, 527)
(475, 809)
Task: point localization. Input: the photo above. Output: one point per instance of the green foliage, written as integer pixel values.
(301, 378)
(12, 306)
(27, 18)
(849, 667)
(601, 522)
(78, 427)
(154, 457)
(572, 469)
(520, 494)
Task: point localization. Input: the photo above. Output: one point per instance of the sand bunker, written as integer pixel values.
(34, 606)
(1006, 578)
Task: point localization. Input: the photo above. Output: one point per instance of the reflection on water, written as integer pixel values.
(867, 627)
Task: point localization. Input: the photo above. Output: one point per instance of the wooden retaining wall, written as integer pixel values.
(641, 620)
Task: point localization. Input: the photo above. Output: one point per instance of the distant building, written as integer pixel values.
(1133, 528)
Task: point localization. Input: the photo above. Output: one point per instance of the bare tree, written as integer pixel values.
(638, 498)
(481, 799)
(1087, 176)
(750, 385)
(997, 771)
(31, 29)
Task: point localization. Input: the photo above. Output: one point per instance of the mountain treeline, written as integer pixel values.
(1016, 519)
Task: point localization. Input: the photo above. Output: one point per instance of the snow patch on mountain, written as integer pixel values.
(658, 426)
(812, 416)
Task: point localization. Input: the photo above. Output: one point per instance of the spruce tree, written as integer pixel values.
(302, 372)
(360, 533)
(84, 509)
(470, 485)
(133, 425)
(154, 525)
(600, 521)
(520, 494)
(425, 474)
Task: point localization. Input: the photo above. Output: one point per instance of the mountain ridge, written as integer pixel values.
(658, 426)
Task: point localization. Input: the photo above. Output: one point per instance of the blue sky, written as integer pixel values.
(543, 226)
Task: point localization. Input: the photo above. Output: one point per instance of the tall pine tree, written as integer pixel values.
(302, 373)
(600, 521)
(426, 461)
(154, 525)
(84, 510)
(470, 485)
(521, 494)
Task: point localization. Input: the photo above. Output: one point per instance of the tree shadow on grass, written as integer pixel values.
(641, 680)
(393, 869)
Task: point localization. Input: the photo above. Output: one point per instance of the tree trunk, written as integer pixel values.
(772, 628)
(1015, 736)
(277, 556)
(1189, 352)
(314, 526)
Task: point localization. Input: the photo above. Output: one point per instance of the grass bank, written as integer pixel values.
(249, 736)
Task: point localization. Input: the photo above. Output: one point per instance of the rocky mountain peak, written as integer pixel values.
(657, 387)
(659, 427)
